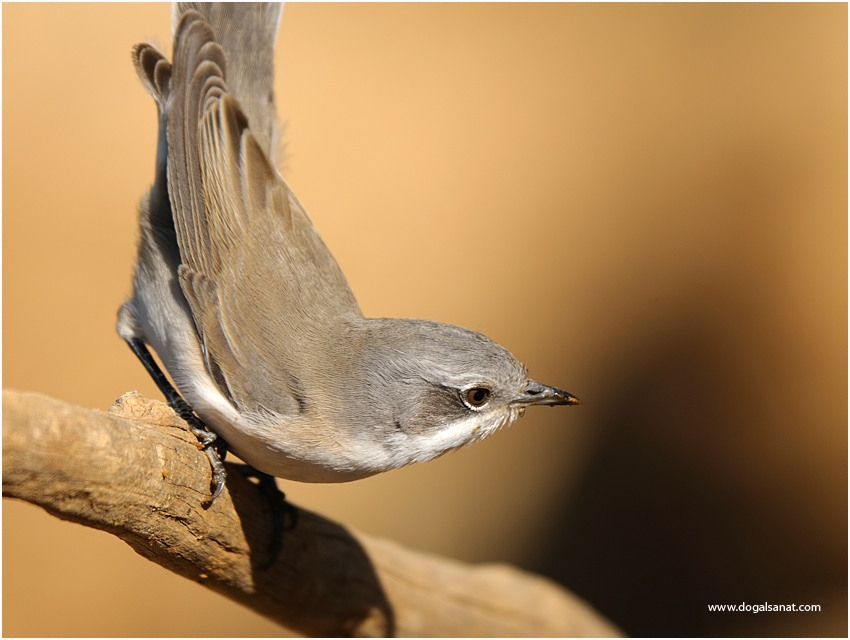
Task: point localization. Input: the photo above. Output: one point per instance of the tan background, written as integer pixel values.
(646, 203)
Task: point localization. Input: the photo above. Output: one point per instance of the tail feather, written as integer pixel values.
(154, 71)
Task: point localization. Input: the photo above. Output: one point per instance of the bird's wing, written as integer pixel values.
(247, 32)
(261, 284)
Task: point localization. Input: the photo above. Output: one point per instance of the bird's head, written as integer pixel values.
(444, 387)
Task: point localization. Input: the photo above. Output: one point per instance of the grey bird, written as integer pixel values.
(249, 312)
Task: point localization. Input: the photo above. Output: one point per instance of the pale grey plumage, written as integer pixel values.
(249, 311)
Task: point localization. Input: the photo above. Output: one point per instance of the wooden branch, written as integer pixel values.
(137, 472)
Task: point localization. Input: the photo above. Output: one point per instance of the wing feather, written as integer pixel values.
(263, 289)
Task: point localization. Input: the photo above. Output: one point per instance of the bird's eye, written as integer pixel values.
(475, 397)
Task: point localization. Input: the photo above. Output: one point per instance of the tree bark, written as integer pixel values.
(137, 473)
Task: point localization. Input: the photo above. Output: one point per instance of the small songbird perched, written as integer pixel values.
(250, 313)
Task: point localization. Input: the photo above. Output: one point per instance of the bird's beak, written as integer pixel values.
(540, 394)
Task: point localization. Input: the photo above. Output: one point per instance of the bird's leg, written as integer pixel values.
(214, 447)
(278, 506)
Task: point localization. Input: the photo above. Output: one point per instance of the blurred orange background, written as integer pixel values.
(647, 204)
